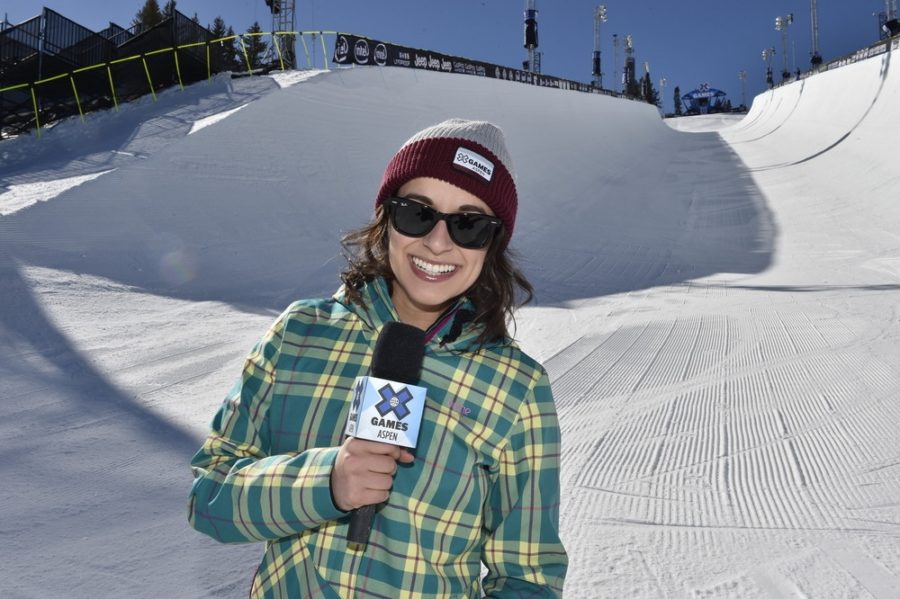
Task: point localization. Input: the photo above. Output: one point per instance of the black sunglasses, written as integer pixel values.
(471, 230)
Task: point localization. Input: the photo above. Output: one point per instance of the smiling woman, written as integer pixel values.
(466, 166)
(483, 484)
(431, 270)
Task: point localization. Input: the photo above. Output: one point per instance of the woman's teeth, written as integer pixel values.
(433, 269)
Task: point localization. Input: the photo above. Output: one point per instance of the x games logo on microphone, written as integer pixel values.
(394, 402)
(386, 411)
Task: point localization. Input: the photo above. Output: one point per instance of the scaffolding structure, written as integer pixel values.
(284, 20)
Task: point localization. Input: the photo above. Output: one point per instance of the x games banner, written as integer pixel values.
(355, 49)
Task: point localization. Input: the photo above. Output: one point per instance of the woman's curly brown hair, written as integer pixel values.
(494, 293)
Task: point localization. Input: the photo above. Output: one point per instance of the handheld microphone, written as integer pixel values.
(387, 406)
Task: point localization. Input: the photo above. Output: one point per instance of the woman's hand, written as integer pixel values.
(364, 472)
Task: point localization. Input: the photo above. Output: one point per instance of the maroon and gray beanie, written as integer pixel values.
(471, 155)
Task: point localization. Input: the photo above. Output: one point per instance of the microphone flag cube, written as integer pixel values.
(386, 411)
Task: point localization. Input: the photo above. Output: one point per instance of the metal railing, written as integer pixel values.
(876, 49)
(106, 84)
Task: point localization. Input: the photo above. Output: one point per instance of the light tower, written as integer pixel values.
(531, 36)
(815, 58)
(742, 75)
(628, 76)
(599, 17)
(782, 24)
(283, 19)
(616, 60)
(767, 55)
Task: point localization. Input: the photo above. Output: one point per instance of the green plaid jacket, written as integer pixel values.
(484, 486)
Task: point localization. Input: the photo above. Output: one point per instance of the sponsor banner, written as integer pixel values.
(352, 49)
(861, 54)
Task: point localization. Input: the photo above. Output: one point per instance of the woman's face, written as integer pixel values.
(430, 272)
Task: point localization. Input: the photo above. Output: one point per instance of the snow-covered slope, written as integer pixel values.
(719, 322)
(287, 175)
(854, 105)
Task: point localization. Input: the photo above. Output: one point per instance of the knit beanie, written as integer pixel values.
(471, 155)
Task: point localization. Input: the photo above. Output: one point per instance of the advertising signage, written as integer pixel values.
(352, 49)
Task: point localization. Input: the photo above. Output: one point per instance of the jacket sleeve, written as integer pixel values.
(240, 492)
(523, 553)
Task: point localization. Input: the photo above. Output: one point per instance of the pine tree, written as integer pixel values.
(148, 16)
(256, 46)
(651, 96)
(647, 93)
(217, 30)
(169, 10)
(633, 88)
(226, 50)
(679, 111)
(234, 52)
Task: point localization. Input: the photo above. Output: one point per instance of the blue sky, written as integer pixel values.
(688, 43)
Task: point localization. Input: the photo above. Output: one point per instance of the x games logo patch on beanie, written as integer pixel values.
(475, 162)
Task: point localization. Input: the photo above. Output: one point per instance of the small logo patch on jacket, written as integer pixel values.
(460, 407)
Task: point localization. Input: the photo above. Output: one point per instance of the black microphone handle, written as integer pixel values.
(360, 524)
(398, 356)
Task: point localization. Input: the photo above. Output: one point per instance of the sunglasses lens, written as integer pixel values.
(470, 230)
(413, 219)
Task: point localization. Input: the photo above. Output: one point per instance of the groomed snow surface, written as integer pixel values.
(718, 311)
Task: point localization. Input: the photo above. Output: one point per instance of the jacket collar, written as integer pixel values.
(453, 330)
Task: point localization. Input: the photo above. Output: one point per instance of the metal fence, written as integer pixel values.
(51, 67)
(878, 48)
(47, 45)
(116, 34)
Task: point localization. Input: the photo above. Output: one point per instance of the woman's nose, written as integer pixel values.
(438, 239)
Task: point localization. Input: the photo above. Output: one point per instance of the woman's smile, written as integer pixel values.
(431, 271)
